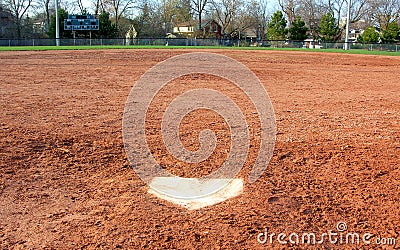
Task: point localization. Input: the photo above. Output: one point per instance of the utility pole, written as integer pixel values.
(346, 45)
(57, 24)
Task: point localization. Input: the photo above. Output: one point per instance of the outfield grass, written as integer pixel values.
(41, 48)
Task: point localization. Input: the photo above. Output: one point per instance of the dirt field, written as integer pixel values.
(65, 181)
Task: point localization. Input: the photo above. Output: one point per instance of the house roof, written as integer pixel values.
(185, 24)
(195, 23)
(207, 21)
(249, 32)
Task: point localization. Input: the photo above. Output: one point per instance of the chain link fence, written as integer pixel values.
(393, 47)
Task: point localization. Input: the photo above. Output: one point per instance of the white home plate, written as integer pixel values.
(194, 194)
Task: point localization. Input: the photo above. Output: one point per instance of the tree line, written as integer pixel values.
(289, 19)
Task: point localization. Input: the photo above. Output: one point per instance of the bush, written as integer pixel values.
(370, 35)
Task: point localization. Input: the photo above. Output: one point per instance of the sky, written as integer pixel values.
(89, 6)
(272, 6)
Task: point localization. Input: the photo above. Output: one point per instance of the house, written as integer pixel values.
(39, 27)
(185, 29)
(355, 31)
(310, 43)
(250, 33)
(210, 29)
(354, 34)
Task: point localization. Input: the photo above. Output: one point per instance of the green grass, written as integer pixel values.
(41, 48)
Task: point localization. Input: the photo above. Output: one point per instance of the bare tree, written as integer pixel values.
(335, 7)
(227, 14)
(358, 10)
(97, 6)
(339, 9)
(383, 12)
(259, 11)
(198, 7)
(46, 5)
(289, 8)
(19, 8)
(311, 12)
(80, 6)
(256, 13)
(117, 8)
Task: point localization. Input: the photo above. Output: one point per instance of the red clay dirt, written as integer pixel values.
(65, 181)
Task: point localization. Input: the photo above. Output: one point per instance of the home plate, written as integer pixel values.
(193, 193)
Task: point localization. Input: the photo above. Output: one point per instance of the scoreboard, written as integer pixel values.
(81, 22)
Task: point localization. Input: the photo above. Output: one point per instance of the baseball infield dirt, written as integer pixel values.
(65, 181)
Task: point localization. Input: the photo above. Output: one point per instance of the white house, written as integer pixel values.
(185, 28)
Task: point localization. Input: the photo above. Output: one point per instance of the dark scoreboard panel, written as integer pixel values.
(81, 22)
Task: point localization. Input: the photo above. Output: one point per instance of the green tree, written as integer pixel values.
(328, 28)
(369, 35)
(62, 14)
(391, 33)
(277, 27)
(106, 28)
(298, 31)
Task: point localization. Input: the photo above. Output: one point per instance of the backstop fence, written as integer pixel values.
(198, 42)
